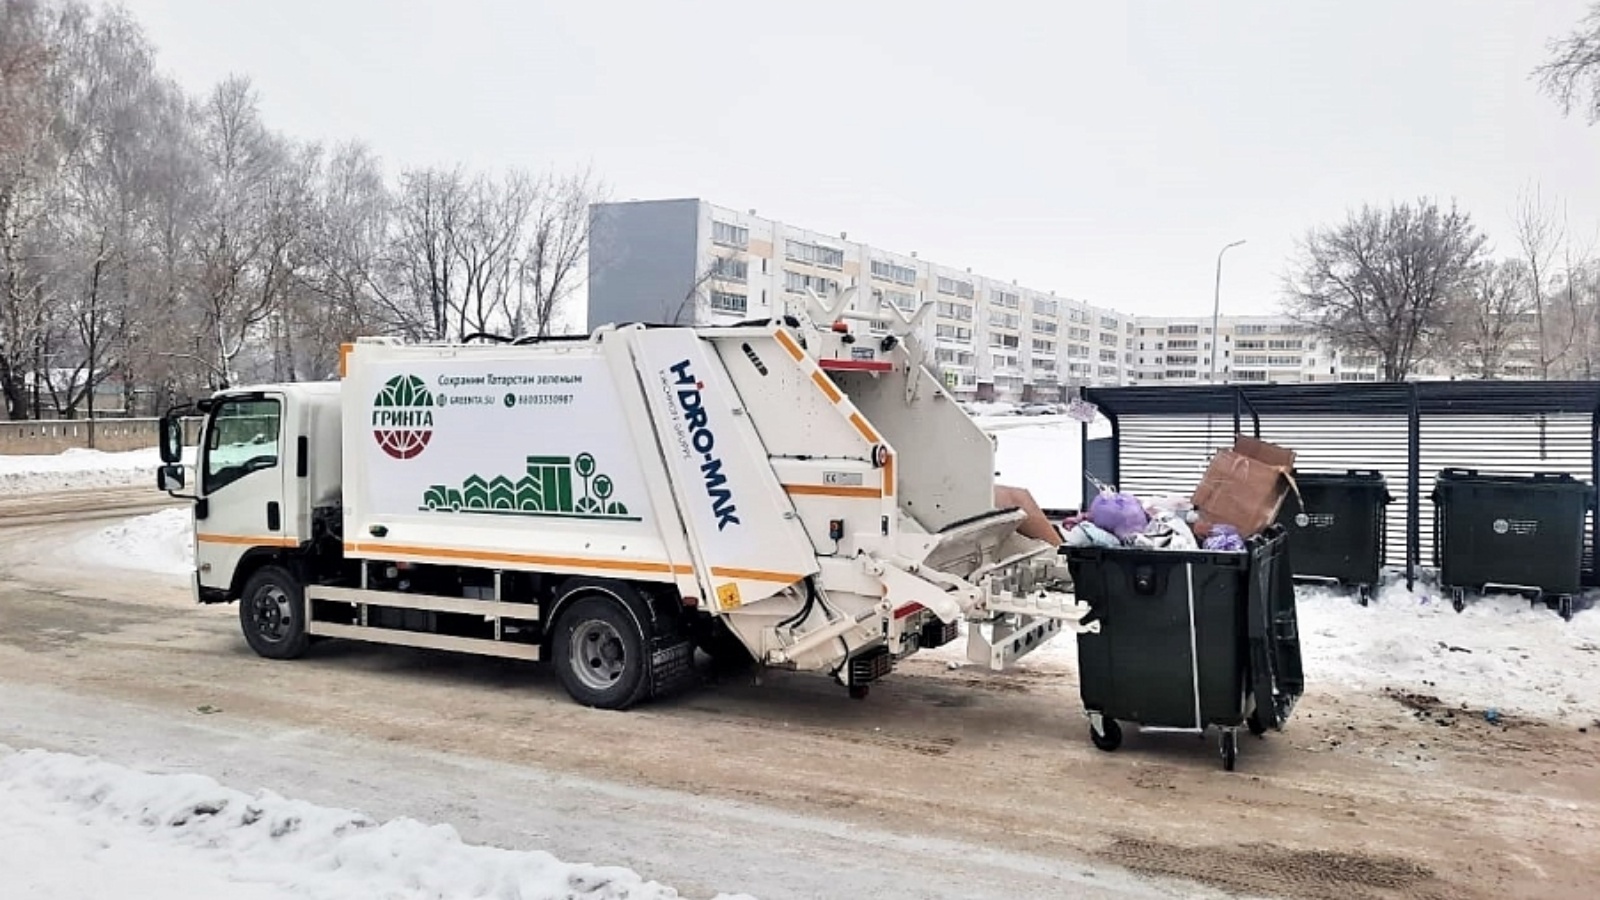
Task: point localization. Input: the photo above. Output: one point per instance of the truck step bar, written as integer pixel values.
(427, 641)
(489, 609)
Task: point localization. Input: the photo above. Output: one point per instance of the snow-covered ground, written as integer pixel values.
(161, 542)
(74, 827)
(77, 470)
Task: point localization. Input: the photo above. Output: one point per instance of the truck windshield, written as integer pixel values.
(242, 438)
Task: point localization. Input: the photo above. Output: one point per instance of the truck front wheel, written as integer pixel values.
(272, 614)
(600, 654)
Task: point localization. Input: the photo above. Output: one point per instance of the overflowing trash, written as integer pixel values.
(1239, 496)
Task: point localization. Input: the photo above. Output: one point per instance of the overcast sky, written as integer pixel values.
(1104, 150)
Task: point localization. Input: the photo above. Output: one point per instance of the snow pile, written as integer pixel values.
(1500, 652)
(161, 542)
(75, 827)
(77, 470)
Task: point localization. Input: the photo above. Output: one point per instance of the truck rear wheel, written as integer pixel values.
(599, 651)
(272, 614)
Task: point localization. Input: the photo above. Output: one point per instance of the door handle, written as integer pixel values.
(274, 517)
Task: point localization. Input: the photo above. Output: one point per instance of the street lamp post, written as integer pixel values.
(1216, 311)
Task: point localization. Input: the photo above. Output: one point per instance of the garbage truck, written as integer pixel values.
(798, 491)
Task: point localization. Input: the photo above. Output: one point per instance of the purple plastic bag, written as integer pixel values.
(1224, 537)
(1121, 514)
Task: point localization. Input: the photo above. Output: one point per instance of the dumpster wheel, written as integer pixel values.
(1564, 607)
(1105, 733)
(1458, 598)
(1230, 748)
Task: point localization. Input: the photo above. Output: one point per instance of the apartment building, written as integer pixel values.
(1244, 349)
(688, 261)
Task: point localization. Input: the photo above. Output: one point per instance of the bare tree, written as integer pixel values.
(557, 247)
(30, 154)
(1571, 72)
(240, 276)
(1540, 236)
(1381, 281)
(1490, 317)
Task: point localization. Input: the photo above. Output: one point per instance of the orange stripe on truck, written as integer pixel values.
(888, 475)
(826, 384)
(532, 559)
(755, 575)
(865, 429)
(829, 490)
(788, 344)
(247, 540)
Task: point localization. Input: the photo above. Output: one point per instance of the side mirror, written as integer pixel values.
(172, 441)
(169, 478)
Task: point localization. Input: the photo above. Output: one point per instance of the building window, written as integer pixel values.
(1249, 375)
(729, 235)
(888, 271)
(729, 269)
(953, 357)
(1078, 334)
(952, 333)
(798, 283)
(1109, 340)
(1079, 316)
(958, 311)
(1004, 340)
(1045, 365)
(1050, 309)
(1044, 346)
(724, 301)
(1109, 356)
(815, 254)
(1250, 329)
(1183, 360)
(1249, 345)
(1181, 373)
(1183, 345)
(1285, 345)
(1004, 320)
(903, 300)
(1043, 326)
(1183, 329)
(1077, 351)
(1284, 360)
(1007, 299)
(954, 288)
(1109, 324)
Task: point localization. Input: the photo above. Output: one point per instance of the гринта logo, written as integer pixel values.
(402, 416)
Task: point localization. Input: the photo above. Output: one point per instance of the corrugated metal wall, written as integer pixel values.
(1160, 454)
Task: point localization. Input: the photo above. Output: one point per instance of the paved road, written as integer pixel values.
(944, 783)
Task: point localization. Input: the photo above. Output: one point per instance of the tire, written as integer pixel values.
(1111, 739)
(272, 614)
(600, 653)
(1230, 749)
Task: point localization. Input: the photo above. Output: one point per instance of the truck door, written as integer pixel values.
(243, 480)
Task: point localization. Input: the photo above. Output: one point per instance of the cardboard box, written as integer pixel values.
(1244, 487)
(1037, 525)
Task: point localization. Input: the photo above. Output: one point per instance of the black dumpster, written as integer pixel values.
(1336, 527)
(1188, 640)
(1521, 533)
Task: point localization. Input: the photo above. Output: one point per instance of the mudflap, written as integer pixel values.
(671, 666)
